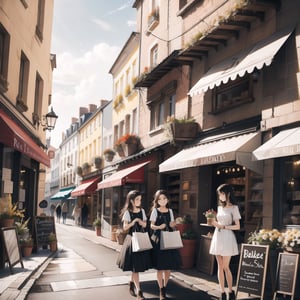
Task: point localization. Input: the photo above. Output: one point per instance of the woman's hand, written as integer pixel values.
(172, 224)
(217, 225)
(162, 226)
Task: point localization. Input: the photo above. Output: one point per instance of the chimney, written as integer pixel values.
(74, 120)
(92, 108)
(103, 102)
(82, 111)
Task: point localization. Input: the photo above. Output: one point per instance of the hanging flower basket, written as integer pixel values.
(127, 145)
(109, 154)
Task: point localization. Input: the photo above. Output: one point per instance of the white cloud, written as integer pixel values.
(102, 24)
(79, 81)
(131, 23)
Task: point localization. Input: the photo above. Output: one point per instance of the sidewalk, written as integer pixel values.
(17, 285)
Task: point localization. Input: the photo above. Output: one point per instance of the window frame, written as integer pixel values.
(4, 58)
(23, 82)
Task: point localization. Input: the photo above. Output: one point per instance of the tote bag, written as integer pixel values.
(140, 241)
(170, 240)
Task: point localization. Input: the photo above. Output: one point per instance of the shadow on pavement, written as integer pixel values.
(175, 290)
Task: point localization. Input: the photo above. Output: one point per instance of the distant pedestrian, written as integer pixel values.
(76, 214)
(84, 214)
(58, 212)
(64, 210)
(223, 243)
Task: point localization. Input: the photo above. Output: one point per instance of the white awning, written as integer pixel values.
(257, 56)
(285, 143)
(215, 150)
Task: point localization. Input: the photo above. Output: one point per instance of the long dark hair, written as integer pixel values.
(156, 196)
(128, 205)
(228, 191)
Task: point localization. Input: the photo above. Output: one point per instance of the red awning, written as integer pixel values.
(13, 136)
(86, 187)
(134, 174)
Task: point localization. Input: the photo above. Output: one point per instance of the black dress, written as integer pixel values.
(134, 261)
(164, 259)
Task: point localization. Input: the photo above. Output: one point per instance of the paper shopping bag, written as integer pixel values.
(140, 241)
(170, 240)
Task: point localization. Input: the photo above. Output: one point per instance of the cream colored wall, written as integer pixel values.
(13, 16)
(90, 139)
(130, 102)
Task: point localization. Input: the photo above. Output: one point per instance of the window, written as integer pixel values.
(23, 83)
(154, 56)
(4, 54)
(134, 121)
(172, 102)
(38, 98)
(232, 94)
(127, 123)
(162, 105)
(40, 19)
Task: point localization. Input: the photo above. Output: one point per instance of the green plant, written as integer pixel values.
(22, 227)
(274, 238)
(52, 237)
(26, 242)
(186, 219)
(12, 212)
(97, 222)
(172, 119)
(189, 235)
(211, 213)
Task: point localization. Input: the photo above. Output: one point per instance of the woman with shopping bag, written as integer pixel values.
(162, 219)
(136, 260)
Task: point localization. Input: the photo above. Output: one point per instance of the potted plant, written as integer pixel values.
(97, 225)
(97, 162)
(210, 216)
(109, 154)
(52, 240)
(187, 252)
(9, 214)
(26, 245)
(127, 144)
(181, 129)
(184, 223)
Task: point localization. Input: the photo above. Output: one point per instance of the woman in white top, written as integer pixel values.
(224, 244)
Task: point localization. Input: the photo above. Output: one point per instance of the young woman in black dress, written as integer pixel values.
(134, 219)
(162, 218)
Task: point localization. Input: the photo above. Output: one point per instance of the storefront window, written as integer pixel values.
(291, 190)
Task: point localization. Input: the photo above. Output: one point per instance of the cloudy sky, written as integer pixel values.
(87, 38)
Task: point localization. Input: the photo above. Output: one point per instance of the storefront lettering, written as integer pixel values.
(253, 254)
(212, 159)
(23, 147)
(285, 151)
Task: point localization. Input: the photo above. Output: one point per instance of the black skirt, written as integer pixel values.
(164, 259)
(133, 261)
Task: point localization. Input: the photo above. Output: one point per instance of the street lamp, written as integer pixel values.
(50, 120)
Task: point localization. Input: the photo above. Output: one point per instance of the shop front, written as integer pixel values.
(113, 190)
(281, 154)
(86, 194)
(20, 159)
(217, 159)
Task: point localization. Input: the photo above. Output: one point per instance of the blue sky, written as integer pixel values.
(87, 37)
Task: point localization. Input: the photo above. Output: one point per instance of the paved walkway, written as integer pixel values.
(17, 285)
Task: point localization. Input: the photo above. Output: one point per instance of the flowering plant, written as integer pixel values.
(126, 139)
(211, 213)
(291, 238)
(274, 238)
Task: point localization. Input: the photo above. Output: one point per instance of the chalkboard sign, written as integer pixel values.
(287, 267)
(11, 245)
(252, 269)
(43, 227)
